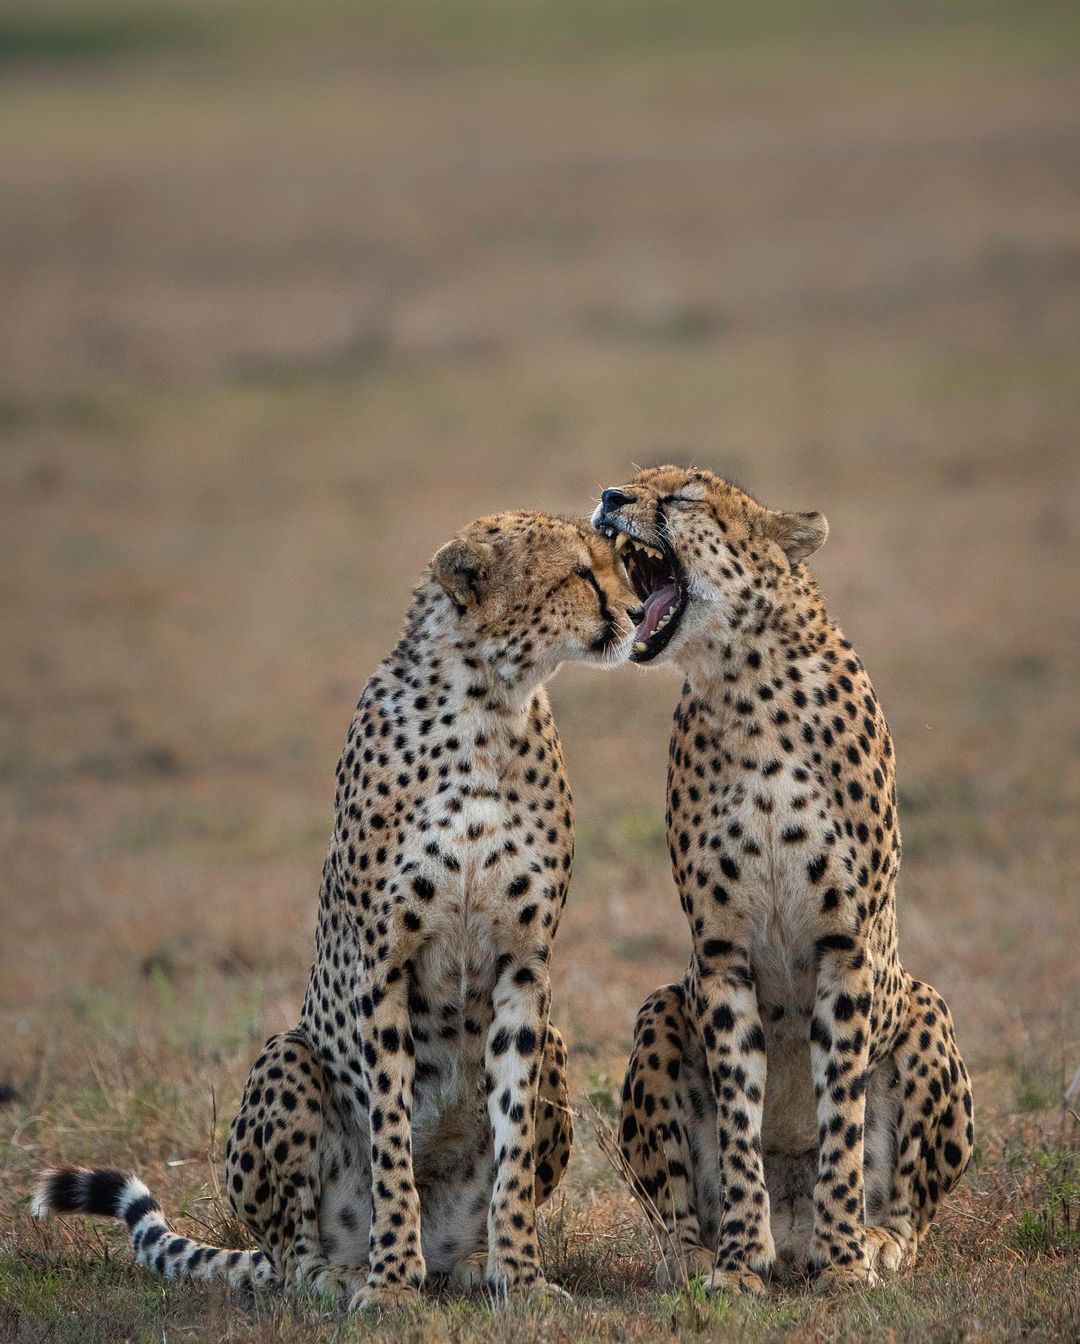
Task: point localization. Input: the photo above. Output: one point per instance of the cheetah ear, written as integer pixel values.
(462, 569)
(797, 534)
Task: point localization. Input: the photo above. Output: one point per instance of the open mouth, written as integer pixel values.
(654, 576)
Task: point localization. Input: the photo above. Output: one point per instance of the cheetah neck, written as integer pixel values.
(795, 632)
(440, 679)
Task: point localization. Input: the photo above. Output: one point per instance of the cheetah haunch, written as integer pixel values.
(418, 1114)
(798, 1096)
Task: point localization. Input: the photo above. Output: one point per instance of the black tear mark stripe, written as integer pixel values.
(107, 1193)
(591, 579)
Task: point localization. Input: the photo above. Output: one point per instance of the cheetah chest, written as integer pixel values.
(481, 903)
(767, 840)
(761, 868)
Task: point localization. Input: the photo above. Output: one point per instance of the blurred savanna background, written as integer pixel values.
(289, 292)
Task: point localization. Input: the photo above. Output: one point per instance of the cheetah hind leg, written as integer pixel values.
(554, 1123)
(667, 1133)
(919, 1131)
(554, 1135)
(272, 1166)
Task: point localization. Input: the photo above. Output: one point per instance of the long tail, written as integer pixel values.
(116, 1194)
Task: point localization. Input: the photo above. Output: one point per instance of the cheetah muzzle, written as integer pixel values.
(655, 576)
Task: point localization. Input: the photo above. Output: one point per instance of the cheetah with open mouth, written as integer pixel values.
(418, 1114)
(799, 1096)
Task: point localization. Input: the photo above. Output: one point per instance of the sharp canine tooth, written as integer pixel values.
(640, 646)
(621, 541)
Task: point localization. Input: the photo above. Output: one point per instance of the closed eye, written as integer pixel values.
(583, 572)
(679, 499)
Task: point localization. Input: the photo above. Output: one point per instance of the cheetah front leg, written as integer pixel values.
(515, 1047)
(396, 1262)
(839, 1057)
(730, 1024)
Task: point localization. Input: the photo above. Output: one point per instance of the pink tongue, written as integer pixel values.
(656, 608)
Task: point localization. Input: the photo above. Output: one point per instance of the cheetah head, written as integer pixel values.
(700, 553)
(528, 591)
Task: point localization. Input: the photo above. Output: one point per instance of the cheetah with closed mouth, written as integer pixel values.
(418, 1114)
(799, 1096)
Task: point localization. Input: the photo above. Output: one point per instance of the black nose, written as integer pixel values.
(615, 499)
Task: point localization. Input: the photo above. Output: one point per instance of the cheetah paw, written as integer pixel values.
(543, 1293)
(679, 1267)
(468, 1274)
(838, 1278)
(734, 1281)
(885, 1250)
(537, 1290)
(384, 1297)
(338, 1282)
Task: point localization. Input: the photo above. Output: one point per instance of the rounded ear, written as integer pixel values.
(461, 568)
(797, 534)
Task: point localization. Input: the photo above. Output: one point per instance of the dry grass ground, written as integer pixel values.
(289, 293)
